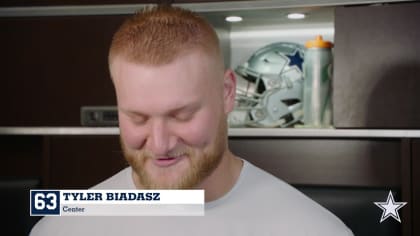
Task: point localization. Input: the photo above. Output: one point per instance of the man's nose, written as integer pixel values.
(159, 139)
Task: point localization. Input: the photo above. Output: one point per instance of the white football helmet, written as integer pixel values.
(272, 96)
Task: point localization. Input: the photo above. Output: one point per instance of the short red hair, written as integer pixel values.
(157, 35)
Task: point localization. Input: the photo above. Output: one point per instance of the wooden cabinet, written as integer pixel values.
(51, 66)
(376, 67)
(22, 156)
(83, 161)
(22, 3)
(94, 2)
(339, 162)
(415, 205)
(21, 169)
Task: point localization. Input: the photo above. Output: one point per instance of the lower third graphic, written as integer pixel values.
(117, 202)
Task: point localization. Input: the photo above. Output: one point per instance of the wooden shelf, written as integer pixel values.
(233, 132)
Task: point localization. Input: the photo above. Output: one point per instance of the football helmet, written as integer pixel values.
(271, 93)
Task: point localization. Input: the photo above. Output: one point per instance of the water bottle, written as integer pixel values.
(317, 90)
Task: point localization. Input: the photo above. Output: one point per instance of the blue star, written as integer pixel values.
(295, 59)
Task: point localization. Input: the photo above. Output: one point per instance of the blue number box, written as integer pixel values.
(44, 202)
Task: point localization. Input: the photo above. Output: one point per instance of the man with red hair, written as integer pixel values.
(174, 96)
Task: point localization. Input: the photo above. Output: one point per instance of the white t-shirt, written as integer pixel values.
(259, 204)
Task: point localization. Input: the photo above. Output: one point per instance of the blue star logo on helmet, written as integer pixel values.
(295, 59)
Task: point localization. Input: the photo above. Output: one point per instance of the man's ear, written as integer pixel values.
(229, 90)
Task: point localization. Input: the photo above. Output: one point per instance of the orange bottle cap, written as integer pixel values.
(318, 43)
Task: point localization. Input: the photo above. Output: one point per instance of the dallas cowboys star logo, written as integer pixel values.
(295, 59)
(390, 208)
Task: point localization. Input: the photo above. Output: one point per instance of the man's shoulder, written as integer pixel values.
(280, 202)
(120, 180)
(256, 177)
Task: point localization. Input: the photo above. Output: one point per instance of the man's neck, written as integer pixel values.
(223, 178)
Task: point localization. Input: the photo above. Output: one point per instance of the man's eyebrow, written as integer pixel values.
(131, 112)
(186, 107)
